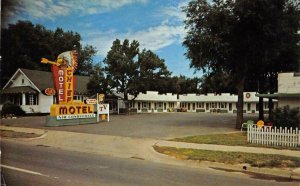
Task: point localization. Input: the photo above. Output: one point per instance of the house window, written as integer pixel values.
(32, 99)
(23, 81)
(14, 98)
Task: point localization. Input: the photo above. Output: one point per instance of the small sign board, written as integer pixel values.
(49, 92)
(91, 101)
(102, 109)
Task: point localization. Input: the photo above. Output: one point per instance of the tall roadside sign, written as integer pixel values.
(67, 111)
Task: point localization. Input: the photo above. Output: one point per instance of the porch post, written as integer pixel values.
(23, 99)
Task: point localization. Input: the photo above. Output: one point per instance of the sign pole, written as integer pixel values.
(108, 113)
(98, 119)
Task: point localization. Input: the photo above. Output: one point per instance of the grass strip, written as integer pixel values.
(253, 159)
(14, 134)
(231, 139)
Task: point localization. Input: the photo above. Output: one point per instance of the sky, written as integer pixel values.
(156, 24)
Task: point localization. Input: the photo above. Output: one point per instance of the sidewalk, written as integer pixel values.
(142, 148)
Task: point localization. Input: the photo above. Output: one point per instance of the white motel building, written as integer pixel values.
(152, 101)
(25, 88)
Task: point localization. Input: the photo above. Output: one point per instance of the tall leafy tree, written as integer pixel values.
(152, 71)
(24, 44)
(99, 83)
(132, 71)
(122, 67)
(241, 38)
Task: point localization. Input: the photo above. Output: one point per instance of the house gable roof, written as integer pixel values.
(43, 80)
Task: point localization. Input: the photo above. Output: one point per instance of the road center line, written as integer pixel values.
(23, 170)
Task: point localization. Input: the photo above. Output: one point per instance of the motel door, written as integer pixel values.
(139, 105)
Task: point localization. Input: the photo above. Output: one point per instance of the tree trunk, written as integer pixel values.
(126, 102)
(261, 83)
(240, 103)
(261, 108)
(273, 79)
(270, 109)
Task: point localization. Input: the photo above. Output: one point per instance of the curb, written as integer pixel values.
(40, 132)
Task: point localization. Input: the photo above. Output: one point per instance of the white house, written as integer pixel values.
(25, 88)
(288, 90)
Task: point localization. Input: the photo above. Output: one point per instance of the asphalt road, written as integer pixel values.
(160, 126)
(39, 165)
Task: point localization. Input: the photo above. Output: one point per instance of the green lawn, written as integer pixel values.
(255, 160)
(231, 139)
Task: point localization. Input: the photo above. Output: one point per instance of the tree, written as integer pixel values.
(238, 37)
(122, 67)
(217, 82)
(131, 71)
(98, 82)
(24, 44)
(152, 71)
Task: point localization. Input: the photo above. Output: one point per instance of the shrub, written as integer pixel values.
(9, 108)
(287, 117)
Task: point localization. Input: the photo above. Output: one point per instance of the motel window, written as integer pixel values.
(248, 106)
(171, 105)
(265, 106)
(201, 105)
(144, 105)
(213, 105)
(223, 105)
(139, 105)
(132, 104)
(160, 105)
(32, 99)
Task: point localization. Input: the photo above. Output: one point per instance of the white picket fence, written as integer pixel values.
(273, 136)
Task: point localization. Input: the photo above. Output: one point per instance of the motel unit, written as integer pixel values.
(152, 101)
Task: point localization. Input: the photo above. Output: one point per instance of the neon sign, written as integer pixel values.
(64, 83)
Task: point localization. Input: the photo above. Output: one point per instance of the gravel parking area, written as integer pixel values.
(159, 125)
